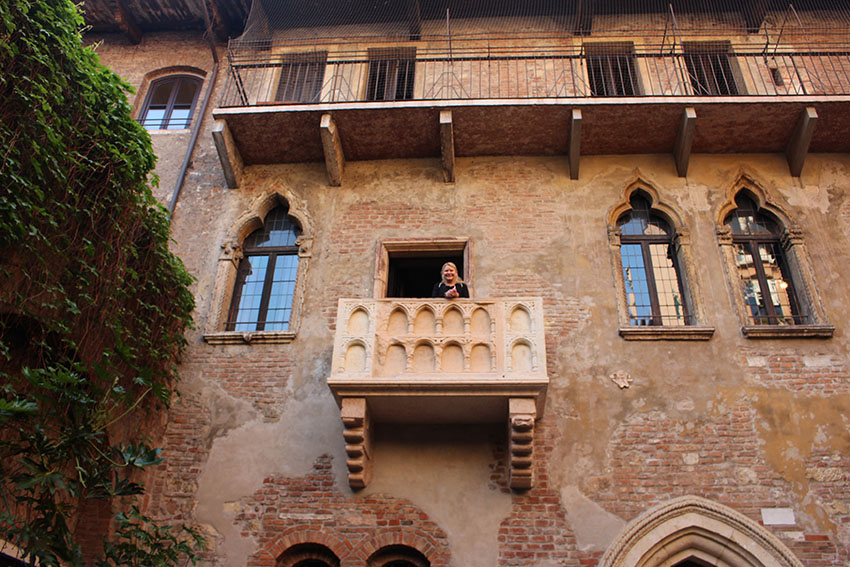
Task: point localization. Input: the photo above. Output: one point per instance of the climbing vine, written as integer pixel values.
(93, 306)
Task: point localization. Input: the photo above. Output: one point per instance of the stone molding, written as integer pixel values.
(691, 526)
(691, 293)
(228, 265)
(792, 241)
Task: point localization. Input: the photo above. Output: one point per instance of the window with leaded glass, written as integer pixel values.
(651, 275)
(763, 272)
(265, 282)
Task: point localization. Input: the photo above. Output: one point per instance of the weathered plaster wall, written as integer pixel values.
(254, 445)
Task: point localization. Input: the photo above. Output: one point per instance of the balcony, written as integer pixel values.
(437, 361)
(280, 107)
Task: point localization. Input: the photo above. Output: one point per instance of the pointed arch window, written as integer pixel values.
(658, 298)
(265, 280)
(651, 273)
(762, 267)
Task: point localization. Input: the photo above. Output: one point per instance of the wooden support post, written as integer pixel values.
(414, 20)
(334, 158)
(685, 140)
(358, 441)
(575, 142)
(228, 153)
(521, 415)
(798, 146)
(447, 145)
(127, 22)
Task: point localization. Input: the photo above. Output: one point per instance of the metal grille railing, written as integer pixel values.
(260, 78)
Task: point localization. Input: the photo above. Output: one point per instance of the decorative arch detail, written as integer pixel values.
(691, 527)
(678, 315)
(231, 254)
(808, 313)
(640, 184)
(746, 182)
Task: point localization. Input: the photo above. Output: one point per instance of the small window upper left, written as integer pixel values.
(170, 103)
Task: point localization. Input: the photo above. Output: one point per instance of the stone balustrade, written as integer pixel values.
(439, 361)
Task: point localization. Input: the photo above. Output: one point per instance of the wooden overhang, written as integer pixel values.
(793, 126)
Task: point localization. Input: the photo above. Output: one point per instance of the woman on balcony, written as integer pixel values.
(451, 285)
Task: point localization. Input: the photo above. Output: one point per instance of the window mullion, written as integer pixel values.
(755, 251)
(267, 288)
(169, 107)
(650, 282)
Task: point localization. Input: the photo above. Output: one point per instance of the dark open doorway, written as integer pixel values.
(413, 274)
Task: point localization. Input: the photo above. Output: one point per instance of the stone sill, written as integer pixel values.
(249, 337)
(683, 333)
(788, 331)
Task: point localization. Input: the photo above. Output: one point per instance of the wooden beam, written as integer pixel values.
(127, 22)
(754, 12)
(414, 20)
(228, 153)
(798, 146)
(575, 142)
(334, 158)
(447, 145)
(685, 140)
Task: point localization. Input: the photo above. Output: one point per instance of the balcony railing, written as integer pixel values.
(440, 361)
(445, 361)
(263, 78)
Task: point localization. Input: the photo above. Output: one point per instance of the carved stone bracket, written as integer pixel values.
(522, 412)
(358, 441)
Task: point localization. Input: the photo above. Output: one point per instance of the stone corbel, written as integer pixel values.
(358, 441)
(792, 236)
(521, 415)
(724, 235)
(305, 246)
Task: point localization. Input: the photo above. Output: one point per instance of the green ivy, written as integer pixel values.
(93, 306)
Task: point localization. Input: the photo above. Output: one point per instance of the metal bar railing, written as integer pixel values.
(275, 79)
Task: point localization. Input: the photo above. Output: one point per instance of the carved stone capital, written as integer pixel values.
(724, 235)
(614, 234)
(792, 236)
(305, 246)
(231, 251)
(683, 236)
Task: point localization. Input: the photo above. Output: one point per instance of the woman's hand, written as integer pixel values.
(452, 293)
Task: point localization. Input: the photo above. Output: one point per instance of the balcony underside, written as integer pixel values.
(411, 129)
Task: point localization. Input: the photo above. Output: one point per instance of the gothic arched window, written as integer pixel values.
(265, 282)
(762, 266)
(650, 268)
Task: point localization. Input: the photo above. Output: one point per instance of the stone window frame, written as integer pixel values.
(793, 243)
(698, 331)
(450, 244)
(228, 264)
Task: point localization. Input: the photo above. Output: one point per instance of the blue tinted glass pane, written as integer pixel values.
(252, 292)
(179, 119)
(750, 287)
(278, 230)
(667, 285)
(637, 291)
(280, 298)
(153, 118)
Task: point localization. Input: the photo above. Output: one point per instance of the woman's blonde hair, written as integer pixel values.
(452, 264)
